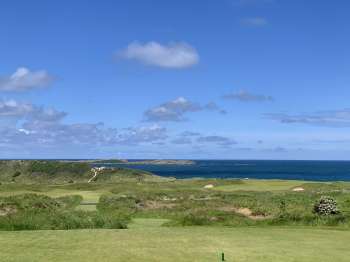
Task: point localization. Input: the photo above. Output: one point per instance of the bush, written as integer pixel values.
(34, 202)
(121, 204)
(36, 212)
(61, 220)
(194, 220)
(71, 201)
(16, 174)
(326, 206)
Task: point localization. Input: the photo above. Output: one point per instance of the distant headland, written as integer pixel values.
(137, 162)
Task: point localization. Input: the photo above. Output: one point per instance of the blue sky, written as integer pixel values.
(229, 79)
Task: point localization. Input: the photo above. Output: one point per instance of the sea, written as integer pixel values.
(253, 169)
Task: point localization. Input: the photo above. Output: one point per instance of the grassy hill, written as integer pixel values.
(40, 171)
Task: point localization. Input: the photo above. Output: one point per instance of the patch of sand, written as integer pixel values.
(298, 189)
(7, 210)
(244, 211)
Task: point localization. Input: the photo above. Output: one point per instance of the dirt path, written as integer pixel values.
(94, 176)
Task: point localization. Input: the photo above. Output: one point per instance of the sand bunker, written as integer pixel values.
(298, 189)
(245, 212)
(7, 210)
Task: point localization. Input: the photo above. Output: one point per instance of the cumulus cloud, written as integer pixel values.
(55, 134)
(254, 21)
(15, 109)
(176, 109)
(36, 135)
(173, 55)
(46, 114)
(217, 140)
(37, 127)
(139, 135)
(24, 79)
(11, 108)
(245, 96)
(332, 118)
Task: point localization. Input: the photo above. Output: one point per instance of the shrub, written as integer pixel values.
(121, 204)
(61, 220)
(36, 212)
(71, 201)
(16, 174)
(111, 220)
(326, 206)
(35, 202)
(194, 220)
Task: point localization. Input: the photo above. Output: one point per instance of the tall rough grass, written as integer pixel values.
(37, 212)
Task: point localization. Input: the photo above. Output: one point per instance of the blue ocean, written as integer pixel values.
(259, 169)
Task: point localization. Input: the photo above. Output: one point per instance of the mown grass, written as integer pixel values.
(260, 185)
(147, 240)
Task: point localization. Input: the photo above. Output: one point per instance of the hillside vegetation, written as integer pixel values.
(234, 203)
(40, 171)
(36, 212)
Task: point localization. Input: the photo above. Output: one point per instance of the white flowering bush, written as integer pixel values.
(326, 206)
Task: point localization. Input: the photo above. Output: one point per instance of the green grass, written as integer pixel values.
(88, 196)
(187, 202)
(159, 208)
(147, 240)
(261, 185)
(59, 172)
(142, 223)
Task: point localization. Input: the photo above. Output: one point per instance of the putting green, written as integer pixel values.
(261, 185)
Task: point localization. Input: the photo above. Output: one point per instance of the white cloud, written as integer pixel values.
(245, 96)
(24, 79)
(21, 110)
(332, 118)
(216, 140)
(173, 55)
(176, 109)
(145, 134)
(12, 108)
(36, 127)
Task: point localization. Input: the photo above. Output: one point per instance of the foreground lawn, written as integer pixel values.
(146, 240)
